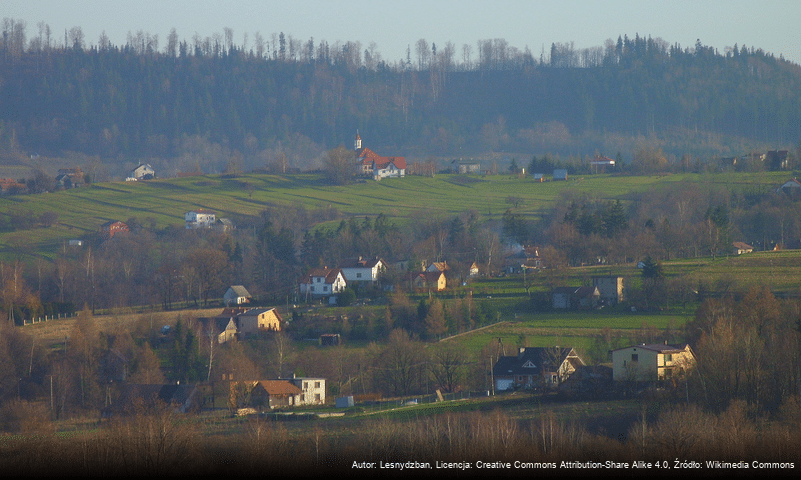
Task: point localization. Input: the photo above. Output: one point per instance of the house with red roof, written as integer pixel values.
(371, 164)
(322, 282)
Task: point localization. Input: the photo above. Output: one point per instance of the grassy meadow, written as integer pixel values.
(162, 203)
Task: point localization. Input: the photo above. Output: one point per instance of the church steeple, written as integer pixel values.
(357, 144)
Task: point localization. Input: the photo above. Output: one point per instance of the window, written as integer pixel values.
(635, 357)
(358, 275)
(668, 357)
(316, 384)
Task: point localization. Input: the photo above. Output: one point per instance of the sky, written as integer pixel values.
(772, 25)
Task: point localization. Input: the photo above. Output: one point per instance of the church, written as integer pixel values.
(370, 164)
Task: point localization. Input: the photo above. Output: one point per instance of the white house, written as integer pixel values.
(236, 295)
(323, 282)
(313, 390)
(652, 362)
(362, 269)
(200, 219)
(142, 172)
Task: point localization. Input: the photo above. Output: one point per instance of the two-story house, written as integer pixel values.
(258, 320)
(651, 362)
(535, 367)
(362, 269)
(322, 282)
(200, 219)
(312, 390)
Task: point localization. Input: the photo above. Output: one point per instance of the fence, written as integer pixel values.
(47, 318)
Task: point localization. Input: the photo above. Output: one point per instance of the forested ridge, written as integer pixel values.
(210, 103)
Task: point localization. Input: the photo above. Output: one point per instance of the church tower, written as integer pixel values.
(357, 144)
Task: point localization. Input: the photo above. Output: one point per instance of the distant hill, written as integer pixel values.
(231, 110)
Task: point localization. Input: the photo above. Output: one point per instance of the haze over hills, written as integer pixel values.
(210, 105)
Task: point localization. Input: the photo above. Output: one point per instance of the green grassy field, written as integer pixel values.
(163, 203)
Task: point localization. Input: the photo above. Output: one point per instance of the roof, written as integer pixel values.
(657, 347)
(601, 160)
(439, 266)
(330, 274)
(239, 290)
(255, 312)
(113, 222)
(535, 360)
(131, 394)
(279, 387)
(361, 262)
(369, 157)
(580, 292)
(220, 323)
(742, 246)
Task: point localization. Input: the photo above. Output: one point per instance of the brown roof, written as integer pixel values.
(279, 387)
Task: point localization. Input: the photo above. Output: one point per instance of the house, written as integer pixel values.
(312, 390)
(223, 225)
(370, 164)
(222, 326)
(438, 267)
(265, 394)
(777, 160)
(135, 399)
(610, 289)
(258, 320)
(464, 167)
(8, 185)
(142, 172)
(791, 188)
(575, 297)
(70, 177)
(111, 228)
(236, 295)
(560, 174)
(323, 282)
(653, 362)
(362, 269)
(535, 367)
(472, 270)
(526, 257)
(539, 177)
(434, 281)
(330, 339)
(740, 248)
(599, 164)
(200, 219)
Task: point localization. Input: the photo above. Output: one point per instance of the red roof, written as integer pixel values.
(369, 157)
(330, 274)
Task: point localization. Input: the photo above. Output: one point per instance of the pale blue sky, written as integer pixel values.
(772, 25)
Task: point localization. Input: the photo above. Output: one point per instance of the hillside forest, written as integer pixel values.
(278, 103)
